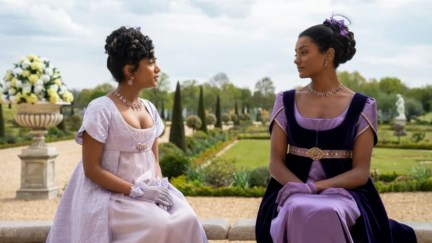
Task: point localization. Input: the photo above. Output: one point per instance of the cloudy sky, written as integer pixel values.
(195, 39)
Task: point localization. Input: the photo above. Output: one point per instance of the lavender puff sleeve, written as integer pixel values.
(368, 118)
(278, 113)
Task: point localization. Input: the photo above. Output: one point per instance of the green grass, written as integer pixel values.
(249, 153)
(401, 161)
(255, 153)
(427, 117)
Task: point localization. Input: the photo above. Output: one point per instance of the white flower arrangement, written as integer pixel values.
(32, 79)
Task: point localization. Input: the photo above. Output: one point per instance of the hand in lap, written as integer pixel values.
(154, 193)
(292, 188)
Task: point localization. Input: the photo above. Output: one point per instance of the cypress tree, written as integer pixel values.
(218, 113)
(163, 111)
(201, 112)
(237, 121)
(177, 132)
(243, 109)
(2, 125)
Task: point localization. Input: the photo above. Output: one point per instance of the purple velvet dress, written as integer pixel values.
(334, 210)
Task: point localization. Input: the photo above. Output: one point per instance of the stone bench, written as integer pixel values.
(216, 229)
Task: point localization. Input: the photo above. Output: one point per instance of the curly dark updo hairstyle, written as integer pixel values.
(333, 34)
(126, 46)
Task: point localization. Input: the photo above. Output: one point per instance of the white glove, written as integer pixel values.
(157, 194)
(161, 182)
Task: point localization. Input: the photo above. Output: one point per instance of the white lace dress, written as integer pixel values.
(90, 213)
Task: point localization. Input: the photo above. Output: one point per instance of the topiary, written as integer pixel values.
(169, 149)
(174, 165)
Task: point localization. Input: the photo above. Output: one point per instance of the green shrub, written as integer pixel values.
(418, 136)
(196, 174)
(200, 135)
(169, 149)
(193, 122)
(241, 178)
(425, 185)
(74, 122)
(405, 186)
(193, 147)
(173, 165)
(421, 173)
(55, 132)
(194, 188)
(215, 132)
(210, 119)
(8, 140)
(226, 118)
(384, 177)
(259, 177)
(220, 172)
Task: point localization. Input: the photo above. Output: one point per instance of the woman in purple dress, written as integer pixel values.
(117, 193)
(320, 191)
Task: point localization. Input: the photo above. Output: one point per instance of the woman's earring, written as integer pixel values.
(130, 81)
(325, 63)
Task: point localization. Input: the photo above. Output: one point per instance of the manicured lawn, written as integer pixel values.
(249, 153)
(255, 153)
(400, 160)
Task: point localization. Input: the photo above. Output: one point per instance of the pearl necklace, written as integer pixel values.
(324, 94)
(134, 106)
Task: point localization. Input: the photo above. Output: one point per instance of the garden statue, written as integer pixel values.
(400, 104)
(400, 120)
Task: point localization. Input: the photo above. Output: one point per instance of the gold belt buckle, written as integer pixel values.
(315, 153)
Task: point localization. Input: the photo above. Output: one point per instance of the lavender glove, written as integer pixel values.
(292, 188)
(337, 192)
(156, 194)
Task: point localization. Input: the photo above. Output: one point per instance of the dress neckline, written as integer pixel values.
(127, 124)
(343, 114)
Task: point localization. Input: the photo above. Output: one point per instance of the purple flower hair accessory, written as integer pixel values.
(343, 30)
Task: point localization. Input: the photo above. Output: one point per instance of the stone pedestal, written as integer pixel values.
(37, 161)
(37, 174)
(399, 127)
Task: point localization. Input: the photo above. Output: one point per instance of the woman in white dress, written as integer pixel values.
(117, 193)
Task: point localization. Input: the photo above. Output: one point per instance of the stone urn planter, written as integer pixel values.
(37, 160)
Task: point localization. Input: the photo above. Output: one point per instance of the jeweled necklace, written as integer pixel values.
(324, 94)
(134, 106)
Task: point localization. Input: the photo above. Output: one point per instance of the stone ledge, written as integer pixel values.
(24, 231)
(243, 229)
(423, 231)
(216, 229)
(37, 231)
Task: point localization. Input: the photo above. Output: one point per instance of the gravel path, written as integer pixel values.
(400, 206)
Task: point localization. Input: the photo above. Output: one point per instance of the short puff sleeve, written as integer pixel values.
(96, 121)
(278, 113)
(368, 118)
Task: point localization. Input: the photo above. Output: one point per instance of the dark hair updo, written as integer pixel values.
(126, 46)
(334, 34)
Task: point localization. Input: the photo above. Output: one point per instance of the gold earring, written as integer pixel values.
(130, 81)
(325, 63)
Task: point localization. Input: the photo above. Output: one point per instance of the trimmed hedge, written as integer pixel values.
(198, 189)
